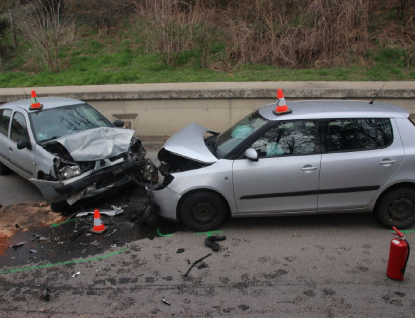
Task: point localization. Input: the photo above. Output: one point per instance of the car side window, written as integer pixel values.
(358, 134)
(4, 121)
(288, 138)
(19, 128)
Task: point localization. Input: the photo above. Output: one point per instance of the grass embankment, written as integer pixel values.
(118, 60)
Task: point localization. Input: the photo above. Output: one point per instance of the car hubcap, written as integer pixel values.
(401, 209)
(203, 212)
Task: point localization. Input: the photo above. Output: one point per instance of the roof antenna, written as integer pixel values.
(25, 95)
(371, 102)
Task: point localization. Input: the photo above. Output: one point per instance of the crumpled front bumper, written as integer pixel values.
(165, 202)
(55, 191)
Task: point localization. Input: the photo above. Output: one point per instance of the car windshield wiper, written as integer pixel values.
(49, 139)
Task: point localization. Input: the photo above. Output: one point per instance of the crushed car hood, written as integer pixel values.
(189, 143)
(98, 143)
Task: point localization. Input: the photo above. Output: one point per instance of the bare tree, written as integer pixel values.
(45, 30)
(167, 26)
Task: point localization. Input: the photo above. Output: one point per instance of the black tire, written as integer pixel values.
(397, 208)
(203, 211)
(3, 169)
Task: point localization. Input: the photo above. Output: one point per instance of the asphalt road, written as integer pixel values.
(297, 266)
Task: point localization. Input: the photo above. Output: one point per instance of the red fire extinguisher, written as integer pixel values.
(398, 256)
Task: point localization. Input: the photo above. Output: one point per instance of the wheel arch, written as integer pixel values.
(395, 186)
(187, 194)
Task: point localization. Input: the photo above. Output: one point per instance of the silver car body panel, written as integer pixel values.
(326, 109)
(336, 182)
(352, 179)
(98, 143)
(269, 184)
(189, 143)
(216, 177)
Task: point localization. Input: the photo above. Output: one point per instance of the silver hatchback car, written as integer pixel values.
(309, 157)
(68, 149)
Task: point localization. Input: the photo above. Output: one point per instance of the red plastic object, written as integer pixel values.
(398, 257)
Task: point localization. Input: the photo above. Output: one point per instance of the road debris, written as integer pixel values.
(18, 227)
(17, 245)
(202, 265)
(165, 301)
(32, 250)
(211, 242)
(76, 234)
(109, 233)
(76, 274)
(115, 211)
(180, 250)
(45, 296)
(94, 243)
(194, 264)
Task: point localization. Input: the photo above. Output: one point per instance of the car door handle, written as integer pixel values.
(11, 149)
(387, 161)
(308, 168)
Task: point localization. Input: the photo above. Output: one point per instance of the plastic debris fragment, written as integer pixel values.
(76, 274)
(211, 242)
(180, 250)
(165, 301)
(18, 245)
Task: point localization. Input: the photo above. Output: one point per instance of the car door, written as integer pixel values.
(21, 160)
(285, 178)
(5, 115)
(360, 155)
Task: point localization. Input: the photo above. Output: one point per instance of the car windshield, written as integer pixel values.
(233, 136)
(53, 123)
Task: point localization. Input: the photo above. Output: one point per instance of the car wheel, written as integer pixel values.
(203, 211)
(61, 206)
(397, 208)
(3, 169)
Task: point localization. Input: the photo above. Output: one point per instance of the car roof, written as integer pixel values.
(47, 102)
(316, 109)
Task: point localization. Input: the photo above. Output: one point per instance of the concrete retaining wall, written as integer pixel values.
(163, 109)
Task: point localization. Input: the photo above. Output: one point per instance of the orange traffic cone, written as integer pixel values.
(98, 226)
(35, 104)
(282, 107)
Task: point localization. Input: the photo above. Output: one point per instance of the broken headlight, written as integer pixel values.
(150, 173)
(69, 172)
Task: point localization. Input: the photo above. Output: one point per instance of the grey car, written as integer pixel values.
(69, 150)
(315, 157)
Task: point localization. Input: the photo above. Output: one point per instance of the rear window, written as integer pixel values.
(358, 134)
(4, 121)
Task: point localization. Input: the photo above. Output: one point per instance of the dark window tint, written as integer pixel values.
(19, 128)
(4, 121)
(385, 134)
(288, 138)
(358, 134)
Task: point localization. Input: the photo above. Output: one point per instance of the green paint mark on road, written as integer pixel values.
(209, 233)
(59, 224)
(163, 235)
(23, 269)
(404, 231)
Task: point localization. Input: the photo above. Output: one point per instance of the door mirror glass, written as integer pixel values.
(22, 144)
(251, 154)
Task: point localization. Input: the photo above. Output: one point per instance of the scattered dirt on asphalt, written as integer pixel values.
(23, 217)
(26, 216)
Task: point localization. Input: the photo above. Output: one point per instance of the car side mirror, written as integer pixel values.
(251, 154)
(118, 123)
(23, 144)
